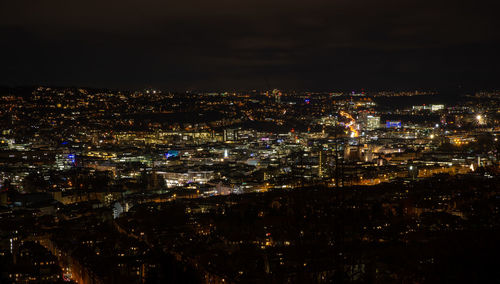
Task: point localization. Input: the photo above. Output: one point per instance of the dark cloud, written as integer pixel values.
(316, 44)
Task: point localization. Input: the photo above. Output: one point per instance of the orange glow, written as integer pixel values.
(351, 124)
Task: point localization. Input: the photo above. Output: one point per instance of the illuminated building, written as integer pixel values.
(437, 107)
(230, 134)
(372, 122)
(393, 124)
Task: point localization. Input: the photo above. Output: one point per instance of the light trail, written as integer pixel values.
(351, 124)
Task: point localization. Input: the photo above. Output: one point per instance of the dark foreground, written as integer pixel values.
(444, 229)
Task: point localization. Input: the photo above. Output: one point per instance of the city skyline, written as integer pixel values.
(146, 186)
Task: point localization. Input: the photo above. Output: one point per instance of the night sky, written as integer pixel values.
(241, 44)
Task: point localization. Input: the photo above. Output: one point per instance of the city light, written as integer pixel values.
(249, 142)
(187, 174)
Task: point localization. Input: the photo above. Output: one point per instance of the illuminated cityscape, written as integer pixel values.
(249, 142)
(92, 177)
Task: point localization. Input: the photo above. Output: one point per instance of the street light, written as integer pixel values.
(480, 119)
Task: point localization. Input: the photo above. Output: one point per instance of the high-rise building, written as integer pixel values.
(372, 122)
(230, 134)
(368, 122)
